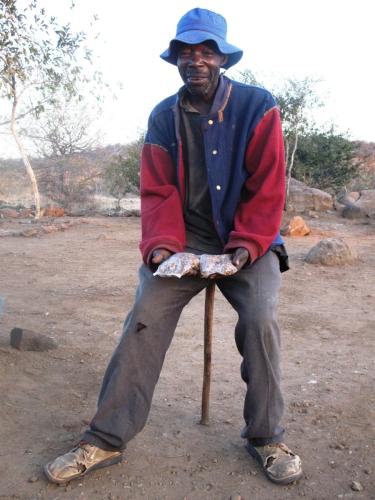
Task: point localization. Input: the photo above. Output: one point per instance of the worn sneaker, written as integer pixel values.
(79, 461)
(278, 462)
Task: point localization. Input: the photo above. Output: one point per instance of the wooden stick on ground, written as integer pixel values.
(208, 316)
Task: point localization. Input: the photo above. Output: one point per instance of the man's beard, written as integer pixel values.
(205, 90)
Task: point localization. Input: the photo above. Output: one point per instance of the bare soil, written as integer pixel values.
(76, 285)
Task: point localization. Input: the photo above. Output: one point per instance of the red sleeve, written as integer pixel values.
(161, 207)
(258, 217)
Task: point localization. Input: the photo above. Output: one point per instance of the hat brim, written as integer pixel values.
(194, 37)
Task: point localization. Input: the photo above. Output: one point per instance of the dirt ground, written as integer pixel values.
(76, 285)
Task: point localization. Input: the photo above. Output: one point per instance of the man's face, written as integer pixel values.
(199, 67)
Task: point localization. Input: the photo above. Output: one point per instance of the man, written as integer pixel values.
(212, 181)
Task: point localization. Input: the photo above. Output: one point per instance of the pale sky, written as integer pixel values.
(330, 40)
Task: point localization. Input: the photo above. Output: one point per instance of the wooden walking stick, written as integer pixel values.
(208, 316)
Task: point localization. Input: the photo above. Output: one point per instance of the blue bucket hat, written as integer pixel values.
(201, 25)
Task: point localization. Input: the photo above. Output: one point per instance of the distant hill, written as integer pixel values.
(81, 168)
(366, 152)
(89, 167)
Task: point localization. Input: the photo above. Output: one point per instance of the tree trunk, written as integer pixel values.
(25, 158)
(286, 143)
(290, 167)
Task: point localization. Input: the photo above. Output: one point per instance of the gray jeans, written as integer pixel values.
(132, 374)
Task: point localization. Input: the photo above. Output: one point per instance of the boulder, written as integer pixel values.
(358, 205)
(296, 227)
(331, 252)
(27, 340)
(353, 211)
(52, 212)
(348, 198)
(303, 198)
(367, 202)
(132, 212)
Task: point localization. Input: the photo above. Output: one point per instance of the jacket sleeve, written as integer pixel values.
(258, 217)
(161, 207)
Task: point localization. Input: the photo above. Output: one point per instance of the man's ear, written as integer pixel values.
(224, 61)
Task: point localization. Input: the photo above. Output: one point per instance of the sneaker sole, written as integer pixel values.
(100, 465)
(285, 480)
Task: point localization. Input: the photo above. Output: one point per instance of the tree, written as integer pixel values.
(62, 131)
(38, 57)
(247, 76)
(122, 175)
(326, 160)
(69, 180)
(295, 100)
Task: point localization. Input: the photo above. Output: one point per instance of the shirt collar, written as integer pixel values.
(184, 101)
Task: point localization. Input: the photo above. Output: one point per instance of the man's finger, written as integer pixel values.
(156, 259)
(159, 256)
(193, 272)
(240, 257)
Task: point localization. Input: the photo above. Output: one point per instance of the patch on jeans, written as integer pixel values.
(139, 327)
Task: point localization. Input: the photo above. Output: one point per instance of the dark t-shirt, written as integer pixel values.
(201, 234)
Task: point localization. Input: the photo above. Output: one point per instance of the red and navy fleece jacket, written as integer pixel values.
(244, 155)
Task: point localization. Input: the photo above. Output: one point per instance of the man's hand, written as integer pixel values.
(160, 255)
(240, 257)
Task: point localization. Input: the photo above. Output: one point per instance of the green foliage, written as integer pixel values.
(326, 160)
(122, 175)
(295, 98)
(320, 158)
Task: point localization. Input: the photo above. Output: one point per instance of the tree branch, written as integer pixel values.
(22, 115)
